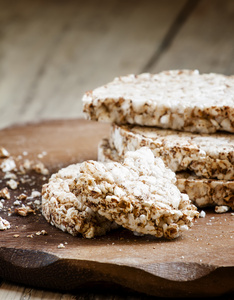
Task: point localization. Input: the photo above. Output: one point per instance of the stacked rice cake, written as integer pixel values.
(198, 105)
(181, 100)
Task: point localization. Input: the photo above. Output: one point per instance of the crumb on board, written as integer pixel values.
(40, 168)
(42, 232)
(4, 193)
(35, 194)
(30, 235)
(8, 165)
(17, 202)
(12, 184)
(221, 209)
(4, 224)
(61, 245)
(22, 196)
(9, 175)
(4, 153)
(24, 210)
(202, 214)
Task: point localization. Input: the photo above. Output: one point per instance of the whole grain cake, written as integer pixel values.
(178, 99)
(63, 209)
(202, 192)
(207, 155)
(140, 194)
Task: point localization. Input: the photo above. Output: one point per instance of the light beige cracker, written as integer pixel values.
(178, 99)
(207, 155)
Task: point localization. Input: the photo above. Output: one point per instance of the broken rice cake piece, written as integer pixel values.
(139, 194)
(178, 99)
(63, 209)
(202, 192)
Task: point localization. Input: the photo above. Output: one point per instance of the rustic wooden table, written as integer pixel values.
(51, 52)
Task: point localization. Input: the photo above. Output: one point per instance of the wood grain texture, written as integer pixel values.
(188, 265)
(204, 42)
(54, 51)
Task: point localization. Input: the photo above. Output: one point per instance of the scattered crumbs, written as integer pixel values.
(221, 209)
(4, 153)
(1, 205)
(182, 257)
(113, 243)
(12, 184)
(25, 153)
(232, 214)
(200, 260)
(61, 245)
(66, 243)
(4, 193)
(212, 218)
(16, 235)
(202, 214)
(154, 247)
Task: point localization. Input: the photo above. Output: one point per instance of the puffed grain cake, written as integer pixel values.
(178, 99)
(139, 194)
(63, 209)
(202, 192)
(207, 155)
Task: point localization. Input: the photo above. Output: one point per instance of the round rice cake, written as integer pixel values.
(207, 155)
(177, 99)
(140, 194)
(202, 192)
(63, 209)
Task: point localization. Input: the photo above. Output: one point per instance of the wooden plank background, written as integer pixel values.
(51, 52)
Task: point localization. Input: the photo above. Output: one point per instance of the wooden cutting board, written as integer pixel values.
(200, 263)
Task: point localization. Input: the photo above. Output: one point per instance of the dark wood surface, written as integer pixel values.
(188, 266)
